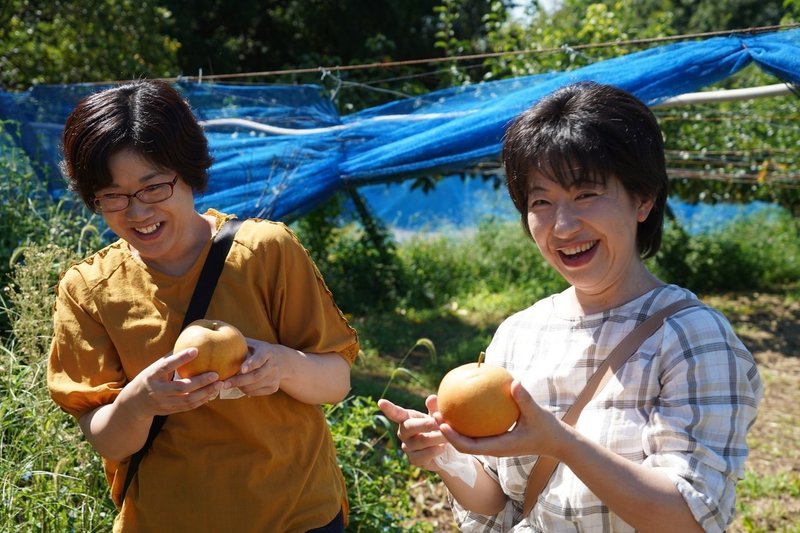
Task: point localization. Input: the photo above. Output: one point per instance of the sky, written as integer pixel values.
(547, 5)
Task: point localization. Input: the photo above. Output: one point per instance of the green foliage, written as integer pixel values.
(688, 16)
(733, 151)
(376, 472)
(437, 268)
(50, 479)
(29, 216)
(499, 270)
(427, 344)
(68, 42)
(776, 488)
(499, 259)
(758, 252)
(275, 34)
(670, 263)
(358, 260)
(560, 40)
(785, 485)
(30, 296)
(695, 16)
(278, 35)
(791, 11)
(740, 150)
(41, 487)
(458, 335)
(456, 16)
(425, 271)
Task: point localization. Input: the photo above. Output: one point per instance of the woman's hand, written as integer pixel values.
(419, 432)
(261, 371)
(154, 391)
(537, 432)
(313, 378)
(423, 442)
(118, 429)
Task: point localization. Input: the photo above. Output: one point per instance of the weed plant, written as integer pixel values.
(29, 215)
(494, 271)
(757, 252)
(50, 479)
(359, 259)
(377, 475)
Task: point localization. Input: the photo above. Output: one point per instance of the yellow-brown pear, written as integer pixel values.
(221, 348)
(475, 400)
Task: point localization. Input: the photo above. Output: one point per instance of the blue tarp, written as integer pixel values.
(296, 150)
(457, 206)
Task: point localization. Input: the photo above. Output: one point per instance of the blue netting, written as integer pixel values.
(296, 150)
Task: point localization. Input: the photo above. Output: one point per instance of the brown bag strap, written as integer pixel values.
(545, 465)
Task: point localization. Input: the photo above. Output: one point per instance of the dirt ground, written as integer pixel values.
(769, 325)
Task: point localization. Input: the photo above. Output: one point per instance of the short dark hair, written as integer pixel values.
(589, 132)
(148, 117)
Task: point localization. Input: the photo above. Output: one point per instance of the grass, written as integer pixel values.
(771, 486)
(768, 503)
(50, 480)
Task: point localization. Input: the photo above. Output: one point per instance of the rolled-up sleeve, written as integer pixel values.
(304, 311)
(84, 370)
(710, 390)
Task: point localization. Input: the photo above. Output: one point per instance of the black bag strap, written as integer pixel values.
(198, 305)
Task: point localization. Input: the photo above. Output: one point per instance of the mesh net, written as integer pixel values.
(282, 150)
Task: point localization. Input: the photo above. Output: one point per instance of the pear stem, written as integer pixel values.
(480, 358)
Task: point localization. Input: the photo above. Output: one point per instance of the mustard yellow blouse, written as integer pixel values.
(250, 464)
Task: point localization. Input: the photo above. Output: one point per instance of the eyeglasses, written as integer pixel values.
(152, 194)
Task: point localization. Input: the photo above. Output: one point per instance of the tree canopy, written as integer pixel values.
(62, 41)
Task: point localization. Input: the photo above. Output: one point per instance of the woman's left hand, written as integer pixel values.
(537, 432)
(261, 371)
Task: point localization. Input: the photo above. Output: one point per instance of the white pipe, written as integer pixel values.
(276, 130)
(709, 97)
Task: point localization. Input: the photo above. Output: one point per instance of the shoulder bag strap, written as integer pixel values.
(545, 465)
(198, 305)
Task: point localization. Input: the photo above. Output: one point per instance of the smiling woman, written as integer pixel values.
(137, 155)
(165, 233)
(661, 445)
(587, 231)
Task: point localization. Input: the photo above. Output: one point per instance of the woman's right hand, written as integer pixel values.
(119, 429)
(423, 442)
(154, 391)
(419, 432)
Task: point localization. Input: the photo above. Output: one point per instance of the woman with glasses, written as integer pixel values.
(263, 461)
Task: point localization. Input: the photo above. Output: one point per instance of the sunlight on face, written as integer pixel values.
(587, 232)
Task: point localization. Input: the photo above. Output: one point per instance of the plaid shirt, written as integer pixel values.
(682, 403)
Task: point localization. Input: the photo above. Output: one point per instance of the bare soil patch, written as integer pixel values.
(770, 327)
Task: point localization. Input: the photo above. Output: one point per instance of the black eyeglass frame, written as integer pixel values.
(96, 200)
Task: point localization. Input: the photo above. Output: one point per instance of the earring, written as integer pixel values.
(644, 211)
